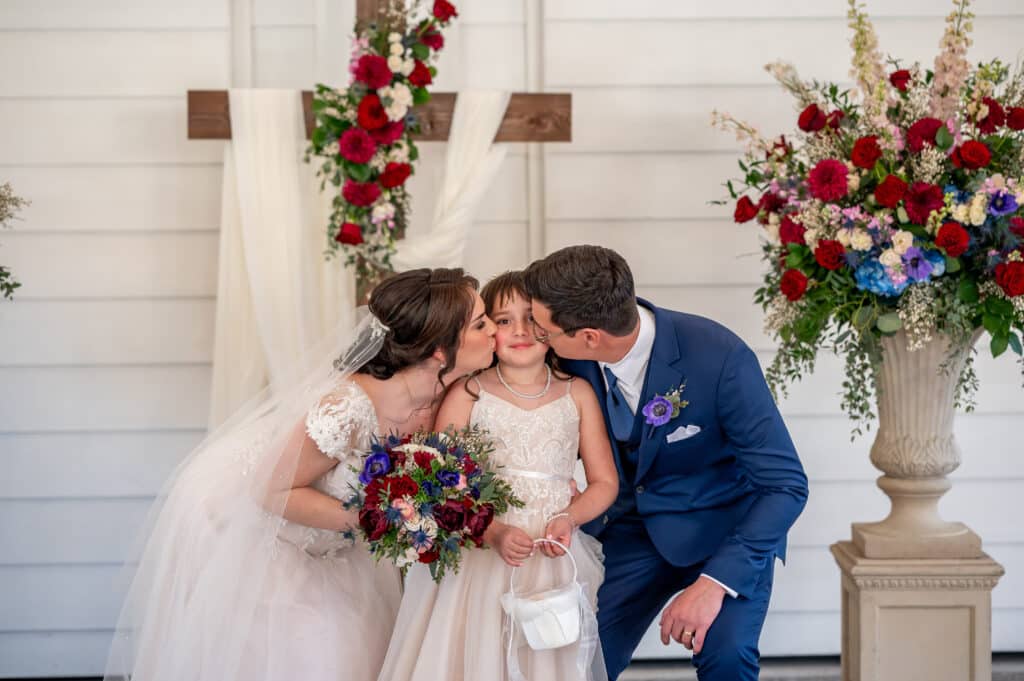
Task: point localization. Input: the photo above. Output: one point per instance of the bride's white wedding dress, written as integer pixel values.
(456, 631)
(232, 592)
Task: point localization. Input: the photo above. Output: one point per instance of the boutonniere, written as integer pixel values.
(663, 408)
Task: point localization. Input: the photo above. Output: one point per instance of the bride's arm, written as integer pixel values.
(291, 494)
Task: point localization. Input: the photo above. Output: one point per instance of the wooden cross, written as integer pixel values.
(530, 117)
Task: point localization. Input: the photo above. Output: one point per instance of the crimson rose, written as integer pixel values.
(1010, 277)
(953, 238)
(373, 70)
(812, 119)
(360, 193)
(1017, 226)
(791, 232)
(834, 119)
(388, 133)
(371, 113)
(974, 155)
(450, 516)
(432, 39)
(921, 133)
(1015, 118)
(995, 118)
(827, 180)
(357, 146)
(745, 210)
(479, 522)
(829, 254)
(350, 234)
(899, 79)
(866, 152)
(921, 199)
(793, 284)
(395, 174)
(423, 459)
(444, 10)
(402, 487)
(373, 522)
(420, 76)
(890, 191)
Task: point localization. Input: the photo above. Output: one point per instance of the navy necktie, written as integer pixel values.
(619, 414)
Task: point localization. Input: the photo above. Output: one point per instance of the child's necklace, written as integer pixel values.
(539, 395)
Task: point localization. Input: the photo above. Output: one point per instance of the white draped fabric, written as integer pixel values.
(276, 294)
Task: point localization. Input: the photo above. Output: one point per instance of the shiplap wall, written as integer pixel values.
(104, 357)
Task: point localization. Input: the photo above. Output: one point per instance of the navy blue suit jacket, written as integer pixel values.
(728, 494)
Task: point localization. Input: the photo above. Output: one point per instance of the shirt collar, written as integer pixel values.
(630, 368)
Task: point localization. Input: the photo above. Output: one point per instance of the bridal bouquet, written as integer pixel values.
(426, 498)
(364, 133)
(897, 206)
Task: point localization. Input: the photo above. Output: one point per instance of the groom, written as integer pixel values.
(709, 480)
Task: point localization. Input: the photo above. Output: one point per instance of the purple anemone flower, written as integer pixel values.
(917, 266)
(1002, 203)
(658, 411)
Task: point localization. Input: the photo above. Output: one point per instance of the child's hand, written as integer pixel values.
(560, 529)
(512, 544)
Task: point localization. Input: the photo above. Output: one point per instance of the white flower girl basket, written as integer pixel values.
(548, 619)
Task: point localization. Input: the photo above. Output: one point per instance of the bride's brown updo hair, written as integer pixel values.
(424, 309)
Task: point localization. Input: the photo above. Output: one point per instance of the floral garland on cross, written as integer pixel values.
(901, 211)
(364, 133)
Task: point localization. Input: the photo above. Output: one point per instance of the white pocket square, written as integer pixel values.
(681, 433)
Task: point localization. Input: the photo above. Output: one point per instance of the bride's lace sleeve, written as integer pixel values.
(341, 422)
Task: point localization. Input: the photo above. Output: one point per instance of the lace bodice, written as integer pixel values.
(535, 451)
(342, 425)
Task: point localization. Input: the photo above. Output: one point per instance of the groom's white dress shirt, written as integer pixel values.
(630, 372)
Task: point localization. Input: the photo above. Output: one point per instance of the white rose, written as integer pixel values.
(978, 214)
(397, 49)
(407, 67)
(396, 112)
(853, 181)
(771, 230)
(843, 237)
(901, 241)
(961, 212)
(890, 258)
(901, 213)
(394, 37)
(861, 240)
(395, 63)
(401, 94)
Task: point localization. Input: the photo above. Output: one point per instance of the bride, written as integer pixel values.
(250, 569)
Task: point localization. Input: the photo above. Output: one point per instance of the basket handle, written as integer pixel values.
(541, 540)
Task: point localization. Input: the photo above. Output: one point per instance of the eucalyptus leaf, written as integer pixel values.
(998, 344)
(863, 317)
(890, 322)
(1015, 344)
(952, 264)
(944, 138)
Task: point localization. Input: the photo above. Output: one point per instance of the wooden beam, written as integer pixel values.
(529, 118)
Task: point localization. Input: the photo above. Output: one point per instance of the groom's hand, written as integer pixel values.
(690, 614)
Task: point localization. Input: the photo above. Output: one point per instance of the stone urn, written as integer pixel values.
(915, 449)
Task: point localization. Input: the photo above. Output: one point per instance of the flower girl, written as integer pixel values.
(539, 420)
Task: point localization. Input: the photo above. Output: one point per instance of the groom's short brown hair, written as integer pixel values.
(585, 287)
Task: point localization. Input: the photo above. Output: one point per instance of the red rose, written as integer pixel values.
(866, 152)
(373, 70)
(443, 11)
(388, 134)
(357, 146)
(791, 232)
(429, 556)
(432, 39)
(420, 76)
(921, 133)
(450, 516)
(395, 174)
(478, 523)
(397, 458)
(953, 238)
(745, 210)
(351, 234)
(900, 79)
(793, 284)
(1015, 118)
(469, 466)
(830, 254)
(1017, 227)
(1010, 277)
(921, 199)
(834, 119)
(360, 193)
(770, 203)
(423, 459)
(371, 113)
(402, 487)
(974, 155)
(996, 117)
(373, 492)
(890, 191)
(827, 180)
(374, 523)
(812, 119)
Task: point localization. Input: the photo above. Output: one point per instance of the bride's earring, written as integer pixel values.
(443, 365)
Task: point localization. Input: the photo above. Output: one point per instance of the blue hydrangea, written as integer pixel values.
(872, 277)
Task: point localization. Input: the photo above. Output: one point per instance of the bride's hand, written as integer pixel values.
(512, 544)
(560, 529)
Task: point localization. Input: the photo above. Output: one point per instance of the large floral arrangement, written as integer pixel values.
(10, 204)
(897, 206)
(427, 498)
(364, 133)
